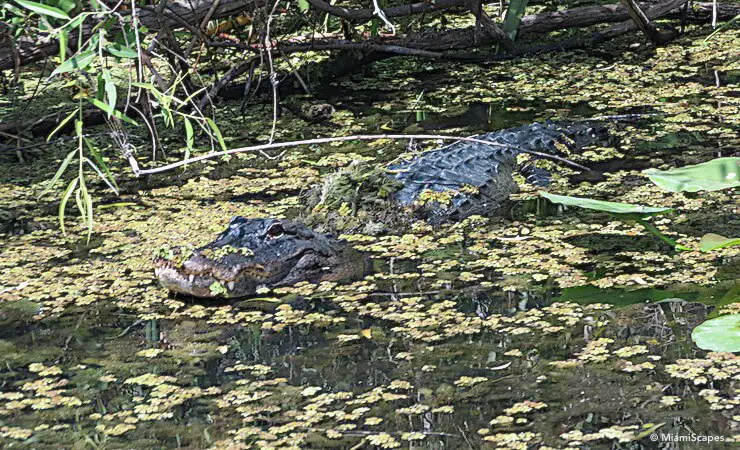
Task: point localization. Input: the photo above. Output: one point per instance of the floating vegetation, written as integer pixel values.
(474, 334)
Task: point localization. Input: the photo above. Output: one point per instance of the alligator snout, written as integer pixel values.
(254, 253)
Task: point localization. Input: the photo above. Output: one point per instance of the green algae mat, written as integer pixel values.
(547, 328)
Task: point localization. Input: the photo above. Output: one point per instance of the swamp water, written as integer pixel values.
(565, 330)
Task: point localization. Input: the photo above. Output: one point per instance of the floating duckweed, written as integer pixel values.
(465, 381)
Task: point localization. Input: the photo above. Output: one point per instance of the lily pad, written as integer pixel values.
(610, 207)
(713, 241)
(714, 175)
(719, 335)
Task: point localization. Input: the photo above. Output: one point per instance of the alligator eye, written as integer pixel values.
(275, 231)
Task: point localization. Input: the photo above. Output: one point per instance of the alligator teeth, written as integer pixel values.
(191, 278)
(157, 270)
(231, 285)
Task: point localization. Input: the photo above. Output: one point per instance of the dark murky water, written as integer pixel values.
(546, 329)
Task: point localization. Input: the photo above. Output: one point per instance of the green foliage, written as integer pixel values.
(713, 241)
(719, 335)
(90, 74)
(624, 211)
(514, 14)
(714, 175)
(722, 27)
(610, 207)
(79, 62)
(44, 10)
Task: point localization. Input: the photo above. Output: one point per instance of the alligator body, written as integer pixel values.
(475, 178)
(472, 178)
(254, 253)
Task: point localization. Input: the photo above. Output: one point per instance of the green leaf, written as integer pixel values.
(76, 22)
(114, 112)
(61, 125)
(77, 62)
(610, 207)
(719, 335)
(110, 90)
(715, 175)
(63, 42)
(189, 137)
(147, 86)
(44, 10)
(722, 27)
(65, 198)
(66, 5)
(102, 175)
(712, 241)
(303, 5)
(60, 171)
(87, 207)
(216, 132)
(217, 289)
(121, 51)
(514, 14)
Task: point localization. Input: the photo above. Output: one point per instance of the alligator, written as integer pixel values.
(452, 182)
(255, 253)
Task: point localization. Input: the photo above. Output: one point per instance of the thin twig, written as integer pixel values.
(361, 137)
(273, 76)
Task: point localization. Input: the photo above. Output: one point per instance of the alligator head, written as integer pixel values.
(252, 253)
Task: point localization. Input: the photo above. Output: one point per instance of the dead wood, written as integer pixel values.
(190, 14)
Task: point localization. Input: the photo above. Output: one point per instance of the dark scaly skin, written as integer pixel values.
(252, 253)
(478, 177)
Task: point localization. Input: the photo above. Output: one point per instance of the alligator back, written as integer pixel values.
(473, 178)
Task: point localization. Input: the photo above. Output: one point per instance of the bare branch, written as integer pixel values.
(361, 137)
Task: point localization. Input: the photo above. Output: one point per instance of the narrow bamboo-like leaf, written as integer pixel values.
(101, 162)
(216, 132)
(61, 125)
(714, 175)
(63, 41)
(80, 205)
(189, 137)
(102, 176)
(114, 112)
(610, 207)
(191, 96)
(722, 27)
(76, 22)
(100, 90)
(116, 205)
(66, 5)
(147, 86)
(713, 241)
(63, 203)
(514, 14)
(59, 173)
(121, 51)
(44, 10)
(110, 90)
(88, 205)
(77, 62)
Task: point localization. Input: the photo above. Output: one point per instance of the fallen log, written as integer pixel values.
(181, 14)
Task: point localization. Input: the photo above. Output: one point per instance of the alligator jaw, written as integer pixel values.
(205, 283)
(252, 253)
